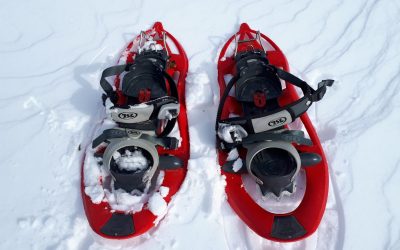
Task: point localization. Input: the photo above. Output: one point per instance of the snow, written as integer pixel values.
(157, 204)
(120, 200)
(237, 165)
(94, 173)
(52, 56)
(131, 161)
(232, 155)
(95, 192)
(225, 130)
(164, 191)
(150, 45)
(109, 106)
(132, 202)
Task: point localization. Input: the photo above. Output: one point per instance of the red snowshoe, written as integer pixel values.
(135, 165)
(257, 106)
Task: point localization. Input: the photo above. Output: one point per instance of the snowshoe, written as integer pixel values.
(258, 105)
(135, 165)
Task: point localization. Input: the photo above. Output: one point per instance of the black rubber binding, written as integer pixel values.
(257, 88)
(276, 168)
(119, 225)
(146, 80)
(129, 180)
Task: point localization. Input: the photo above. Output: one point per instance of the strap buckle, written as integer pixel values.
(320, 92)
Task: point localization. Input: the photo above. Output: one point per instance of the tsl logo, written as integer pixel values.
(277, 122)
(127, 116)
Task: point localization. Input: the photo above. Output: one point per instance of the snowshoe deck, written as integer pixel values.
(304, 220)
(114, 224)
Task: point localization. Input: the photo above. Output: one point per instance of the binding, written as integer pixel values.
(147, 99)
(271, 158)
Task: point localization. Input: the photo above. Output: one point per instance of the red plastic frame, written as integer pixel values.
(311, 209)
(99, 214)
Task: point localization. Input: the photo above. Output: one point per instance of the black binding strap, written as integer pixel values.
(314, 95)
(166, 142)
(223, 99)
(111, 93)
(294, 109)
(119, 69)
(174, 93)
(106, 85)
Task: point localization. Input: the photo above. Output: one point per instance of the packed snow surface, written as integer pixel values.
(52, 56)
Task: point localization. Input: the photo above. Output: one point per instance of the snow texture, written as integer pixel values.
(94, 175)
(52, 55)
(120, 200)
(237, 165)
(225, 131)
(164, 191)
(131, 161)
(232, 155)
(150, 45)
(157, 204)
